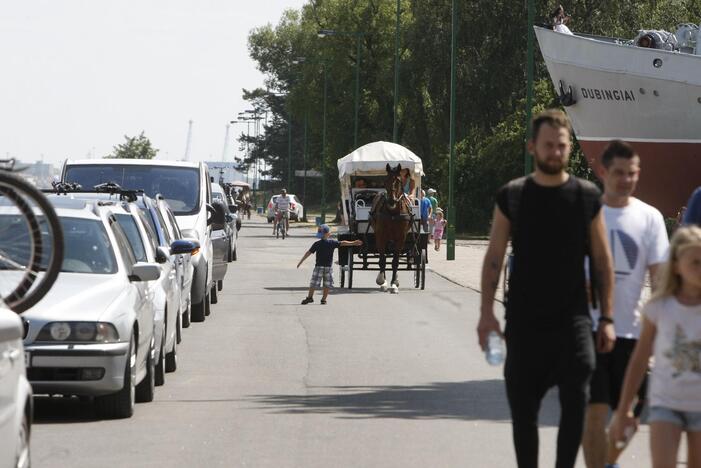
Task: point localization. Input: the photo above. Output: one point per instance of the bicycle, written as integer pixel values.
(31, 241)
(281, 225)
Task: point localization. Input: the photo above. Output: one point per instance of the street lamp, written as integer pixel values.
(358, 36)
(395, 127)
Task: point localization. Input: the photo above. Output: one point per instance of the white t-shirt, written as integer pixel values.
(282, 203)
(562, 28)
(637, 238)
(675, 380)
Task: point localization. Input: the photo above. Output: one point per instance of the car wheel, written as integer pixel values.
(220, 285)
(160, 377)
(198, 309)
(213, 297)
(146, 389)
(22, 460)
(234, 256)
(172, 358)
(178, 329)
(208, 304)
(121, 404)
(187, 314)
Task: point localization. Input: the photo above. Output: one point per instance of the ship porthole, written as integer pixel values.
(698, 100)
(657, 63)
(642, 91)
(655, 93)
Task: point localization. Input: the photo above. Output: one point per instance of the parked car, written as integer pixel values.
(93, 333)
(231, 217)
(296, 208)
(185, 186)
(162, 221)
(15, 393)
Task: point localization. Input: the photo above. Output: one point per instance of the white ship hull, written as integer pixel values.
(648, 97)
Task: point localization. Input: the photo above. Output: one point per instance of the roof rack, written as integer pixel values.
(112, 188)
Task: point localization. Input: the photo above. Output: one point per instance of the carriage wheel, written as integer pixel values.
(423, 269)
(349, 264)
(417, 270)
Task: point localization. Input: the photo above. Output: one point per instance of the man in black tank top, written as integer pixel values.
(555, 223)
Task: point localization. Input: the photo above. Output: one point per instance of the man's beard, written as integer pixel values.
(550, 168)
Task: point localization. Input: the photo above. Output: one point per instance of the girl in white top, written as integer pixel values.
(671, 330)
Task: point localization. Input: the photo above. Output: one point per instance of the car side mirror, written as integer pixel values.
(218, 215)
(162, 255)
(184, 246)
(145, 272)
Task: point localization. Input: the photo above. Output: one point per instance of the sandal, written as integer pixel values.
(307, 300)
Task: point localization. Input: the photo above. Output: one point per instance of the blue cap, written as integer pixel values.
(323, 229)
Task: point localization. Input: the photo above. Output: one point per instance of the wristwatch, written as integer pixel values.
(604, 319)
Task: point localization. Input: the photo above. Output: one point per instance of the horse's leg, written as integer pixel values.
(381, 275)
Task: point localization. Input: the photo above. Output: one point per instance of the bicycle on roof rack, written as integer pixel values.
(31, 241)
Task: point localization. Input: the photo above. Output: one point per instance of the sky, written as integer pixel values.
(78, 75)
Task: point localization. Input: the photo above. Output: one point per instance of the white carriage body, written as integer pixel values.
(369, 162)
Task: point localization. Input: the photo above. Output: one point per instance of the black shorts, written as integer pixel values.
(607, 381)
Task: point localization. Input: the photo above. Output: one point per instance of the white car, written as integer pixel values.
(296, 208)
(186, 187)
(15, 393)
(93, 333)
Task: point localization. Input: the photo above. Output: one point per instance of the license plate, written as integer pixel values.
(28, 359)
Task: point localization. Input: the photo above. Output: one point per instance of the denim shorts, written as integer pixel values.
(688, 420)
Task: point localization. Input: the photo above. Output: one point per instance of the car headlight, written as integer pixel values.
(84, 332)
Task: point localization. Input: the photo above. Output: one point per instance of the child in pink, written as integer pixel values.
(438, 229)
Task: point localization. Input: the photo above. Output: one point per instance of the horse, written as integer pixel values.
(390, 218)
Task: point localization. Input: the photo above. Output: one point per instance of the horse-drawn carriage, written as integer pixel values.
(377, 210)
(240, 192)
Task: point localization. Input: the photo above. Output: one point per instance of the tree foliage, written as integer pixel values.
(490, 93)
(138, 147)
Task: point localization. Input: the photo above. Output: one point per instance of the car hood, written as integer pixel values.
(78, 296)
(187, 221)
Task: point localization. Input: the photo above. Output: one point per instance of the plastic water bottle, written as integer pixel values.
(495, 349)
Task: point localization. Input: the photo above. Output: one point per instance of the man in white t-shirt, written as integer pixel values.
(638, 240)
(282, 211)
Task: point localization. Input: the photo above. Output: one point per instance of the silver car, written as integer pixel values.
(93, 333)
(15, 393)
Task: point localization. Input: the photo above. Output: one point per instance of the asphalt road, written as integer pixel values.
(369, 380)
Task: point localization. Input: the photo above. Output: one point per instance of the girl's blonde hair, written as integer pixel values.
(668, 281)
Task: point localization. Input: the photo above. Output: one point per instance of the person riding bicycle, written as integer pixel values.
(282, 210)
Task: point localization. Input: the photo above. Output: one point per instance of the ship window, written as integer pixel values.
(698, 100)
(655, 93)
(642, 91)
(657, 63)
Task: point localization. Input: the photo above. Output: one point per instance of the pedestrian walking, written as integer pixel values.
(554, 221)
(426, 211)
(323, 269)
(639, 245)
(439, 227)
(671, 332)
(434, 207)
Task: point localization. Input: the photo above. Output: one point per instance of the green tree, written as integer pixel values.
(138, 147)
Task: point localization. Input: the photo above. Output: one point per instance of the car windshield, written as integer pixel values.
(86, 247)
(180, 186)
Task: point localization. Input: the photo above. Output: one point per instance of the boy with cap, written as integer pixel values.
(323, 270)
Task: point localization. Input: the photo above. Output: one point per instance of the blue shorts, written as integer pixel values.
(689, 421)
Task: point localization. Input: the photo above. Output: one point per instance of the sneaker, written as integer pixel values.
(612, 465)
(323, 301)
(307, 300)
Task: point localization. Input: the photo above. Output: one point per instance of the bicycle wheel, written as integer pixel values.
(31, 243)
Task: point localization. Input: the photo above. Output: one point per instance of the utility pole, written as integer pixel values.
(188, 143)
(395, 128)
(323, 152)
(528, 166)
(450, 247)
(304, 169)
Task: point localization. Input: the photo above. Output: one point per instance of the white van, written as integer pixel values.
(186, 187)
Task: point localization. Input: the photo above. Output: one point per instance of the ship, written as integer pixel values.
(646, 91)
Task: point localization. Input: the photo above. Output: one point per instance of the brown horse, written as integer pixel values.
(390, 218)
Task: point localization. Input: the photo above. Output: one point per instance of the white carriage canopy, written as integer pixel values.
(372, 159)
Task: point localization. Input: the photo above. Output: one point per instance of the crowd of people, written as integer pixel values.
(575, 318)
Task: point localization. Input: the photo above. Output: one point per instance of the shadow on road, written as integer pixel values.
(468, 401)
(58, 410)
